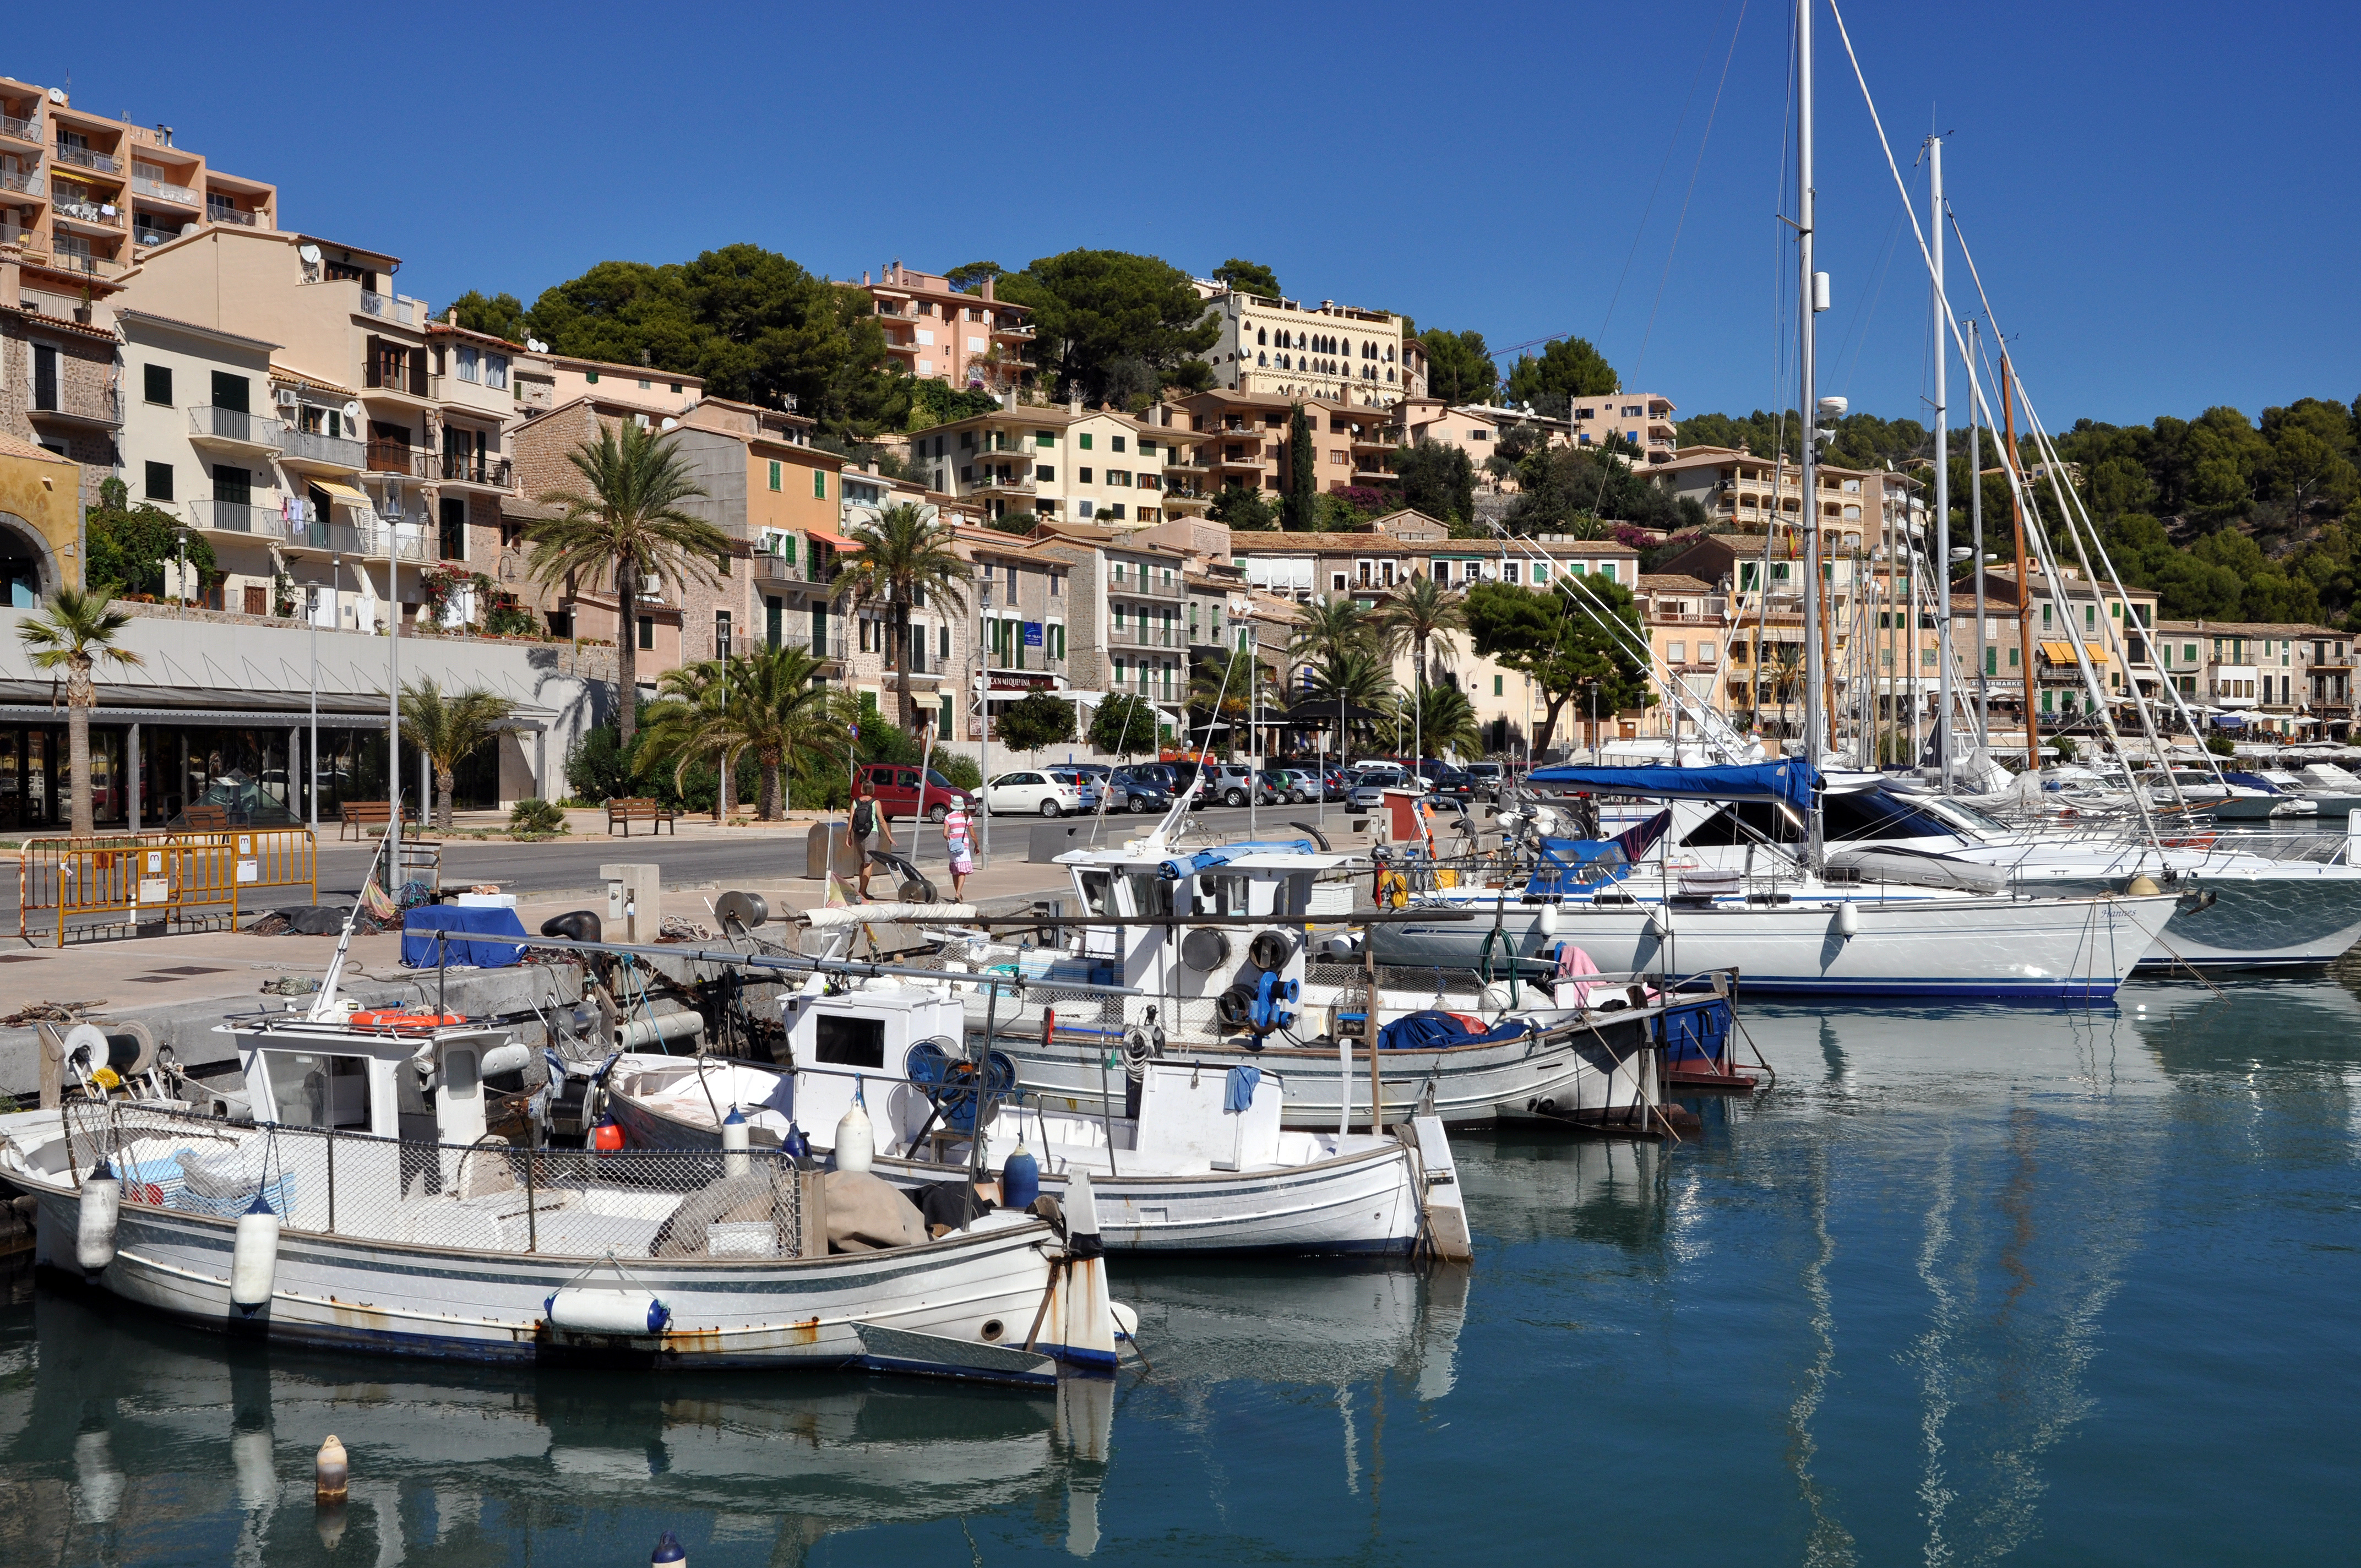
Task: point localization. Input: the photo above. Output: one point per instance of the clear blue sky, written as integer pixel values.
(2162, 195)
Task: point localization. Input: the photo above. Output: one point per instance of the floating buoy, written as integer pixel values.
(796, 1146)
(1493, 998)
(606, 1137)
(1848, 920)
(856, 1140)
(1020, 1180)
(254, 1258)
(734, 1158)
(331, 1473)
(102, 1205)
(1549, 919)
(669, 1553)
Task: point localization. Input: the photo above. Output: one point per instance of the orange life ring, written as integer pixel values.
(385, 1019)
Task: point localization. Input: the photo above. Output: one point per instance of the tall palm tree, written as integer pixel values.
(449, 730)
(793, 724)
(1444, 719)
(1327, 627)
(1358, 676)
(1415, 614)
(904, 556)
(689, 724)
(1221, 693)
(626, 519)
(73, 634)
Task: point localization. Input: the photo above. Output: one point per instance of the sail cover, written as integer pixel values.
(1790, 780)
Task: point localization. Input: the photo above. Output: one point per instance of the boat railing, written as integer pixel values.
(486, 1196)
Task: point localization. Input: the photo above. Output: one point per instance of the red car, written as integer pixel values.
(897, 791)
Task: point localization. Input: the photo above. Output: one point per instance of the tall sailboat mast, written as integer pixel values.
(1942, 572)
(1811, 298)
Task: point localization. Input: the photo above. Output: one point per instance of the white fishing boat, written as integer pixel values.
(364, 1206)
(1195, 1161)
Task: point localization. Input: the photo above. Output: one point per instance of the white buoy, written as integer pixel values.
(856, 1140)
(1848, 920)
(1493, 998)
(254, 1257)
(102, 1205)
(331, 1473)
(734, 1158)
(588, 1310)
(1549, 919)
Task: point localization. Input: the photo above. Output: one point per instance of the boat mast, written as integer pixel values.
(2024, 582)
(1976, 525)
(1810, 300)
(1942, 572)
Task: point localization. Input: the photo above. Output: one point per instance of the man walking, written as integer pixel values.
(864, 828)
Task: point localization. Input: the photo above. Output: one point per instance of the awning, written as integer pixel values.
(839, 540)
(344, 493)
(2063, 652)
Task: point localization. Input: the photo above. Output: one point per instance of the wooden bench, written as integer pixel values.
(636, 808)
(360, 814)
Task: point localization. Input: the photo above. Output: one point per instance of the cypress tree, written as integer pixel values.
(1302, 475)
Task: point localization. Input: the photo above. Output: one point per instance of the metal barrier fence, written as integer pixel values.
(169, 879)
(485, 1196)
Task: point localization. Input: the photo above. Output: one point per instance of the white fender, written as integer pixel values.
(1848, 920)
(735, 1142)
(102, 1205)
(254, 1258)
(856, 1140)
(605, 1311)
(1083, 1316)
(1549, 919)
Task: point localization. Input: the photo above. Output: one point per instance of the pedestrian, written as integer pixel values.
(959, 842)
(867, 823)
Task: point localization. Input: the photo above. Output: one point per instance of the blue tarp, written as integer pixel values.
(1433, 1031)
(468, 927)
(1790, 780)
(2251, 781)
(1182, 866)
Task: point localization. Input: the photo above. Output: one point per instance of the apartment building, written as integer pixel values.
(1247, 441)
(201, 440)
(1066, 464)
(938, 333)
(394, 426)
(60, 385)
(1643, 421)
(1018, 604)
(83, 196)
(1287, 349)
(544, 381)
(1688, 628)
(1126, 607)
(2286, 679)
(1739, 490)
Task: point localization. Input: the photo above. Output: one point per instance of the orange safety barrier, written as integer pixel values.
(171, 879)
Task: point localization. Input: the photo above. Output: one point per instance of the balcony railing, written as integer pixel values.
(214, 516)
(391, 307)
(385, 457)
(82, 158)
(102, 406)
(104, 213)
(333, 451)
(1144, 584)
(1011, 486)
(164, 191)
(25, 181)
(221, 213)
(409, 543)
(1134, 635)
(144, 236)
(23, 130)
(235, 424)
(474, 469)
(781, 568)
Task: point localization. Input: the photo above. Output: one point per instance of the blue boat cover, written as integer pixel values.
(1174, 869)
(468, 927)
(2251, 781)
(1431, 1031)
(1790, 780)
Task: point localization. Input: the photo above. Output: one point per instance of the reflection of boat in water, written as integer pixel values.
(99, 1404)
(1276, 1324)
(1528, 1187)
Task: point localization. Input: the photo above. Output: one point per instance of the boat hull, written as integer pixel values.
(2051, 950)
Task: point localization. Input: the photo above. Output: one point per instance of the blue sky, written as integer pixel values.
(2161, 196)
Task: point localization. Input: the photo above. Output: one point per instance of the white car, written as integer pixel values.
(1032, 791)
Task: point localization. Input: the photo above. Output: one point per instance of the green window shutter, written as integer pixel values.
(774, 476)
(820, 484)
(1495, 685)
(1086, 441)
(1045, 438)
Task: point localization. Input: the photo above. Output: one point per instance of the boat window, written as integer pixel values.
(315, 1090)
(1096, 887)
(1222, 894)
(1150, 894)
(459, 1075)
(1745, 822)
(1869, 814)
(849, 1042)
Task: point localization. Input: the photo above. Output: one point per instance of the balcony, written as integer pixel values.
(234, 427)
(779, 568)
(337, 451)
(1008, 487)
(388, 457)
(212, 516)
(82, 158)
(25, 183)
(147, 239)
(81, 210)
(16, 129)
(76, 408)
(398, 308)
(164, 191)
(487, 470)
(1140, 586)
(221, 213)
(409, 542)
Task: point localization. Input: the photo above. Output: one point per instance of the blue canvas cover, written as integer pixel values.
(467, 928)
(1431, 1031)
(1790, 780)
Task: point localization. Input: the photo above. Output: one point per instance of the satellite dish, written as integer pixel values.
(352, 414)
(670, 423)
(57, 96)
(308, 253)
(536, 346)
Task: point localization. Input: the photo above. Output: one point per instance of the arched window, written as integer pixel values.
(1262, 358)
(1262, 336)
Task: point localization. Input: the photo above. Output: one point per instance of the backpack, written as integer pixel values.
(864, 819)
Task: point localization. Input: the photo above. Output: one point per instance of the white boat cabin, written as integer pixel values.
(420, 1082)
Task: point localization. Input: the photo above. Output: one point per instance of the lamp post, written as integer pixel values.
(312, 784)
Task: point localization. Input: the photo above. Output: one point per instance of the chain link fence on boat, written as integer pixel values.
(487, 1196)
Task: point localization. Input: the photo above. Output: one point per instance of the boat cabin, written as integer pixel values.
(1190, 959)
(416, 1082)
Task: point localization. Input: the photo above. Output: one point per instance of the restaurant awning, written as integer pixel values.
(344, 493)
(2063, 652)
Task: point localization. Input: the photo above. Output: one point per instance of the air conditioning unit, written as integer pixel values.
(287, 397)
(651, 587)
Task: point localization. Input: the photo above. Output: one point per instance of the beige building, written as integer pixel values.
(1739, 490)
(1285, 348)
(1063, 463)
(40, 518)
(544, 381)
(1247, 441)
(60, 383)
(938, 333)
(83, 196)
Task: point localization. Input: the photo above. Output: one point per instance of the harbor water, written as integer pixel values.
(1969, 1285)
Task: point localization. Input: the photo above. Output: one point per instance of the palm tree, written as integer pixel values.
(449, 730)
(73, 634)
(1328, 627)
(904, 556)
(689, 724)
(1415, 614)
(1444, 719)
(793, 724)
(1223, 694)
(627, 520)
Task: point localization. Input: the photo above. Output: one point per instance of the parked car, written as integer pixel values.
(1129, 792)
(1226, 784)
(1032, 790)
(1159, 775)
(1286, 786)
(1370, 783)
(1334, 782)
(1488, 779)
(1452, 784)
(1086, 784)
(900, 796)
